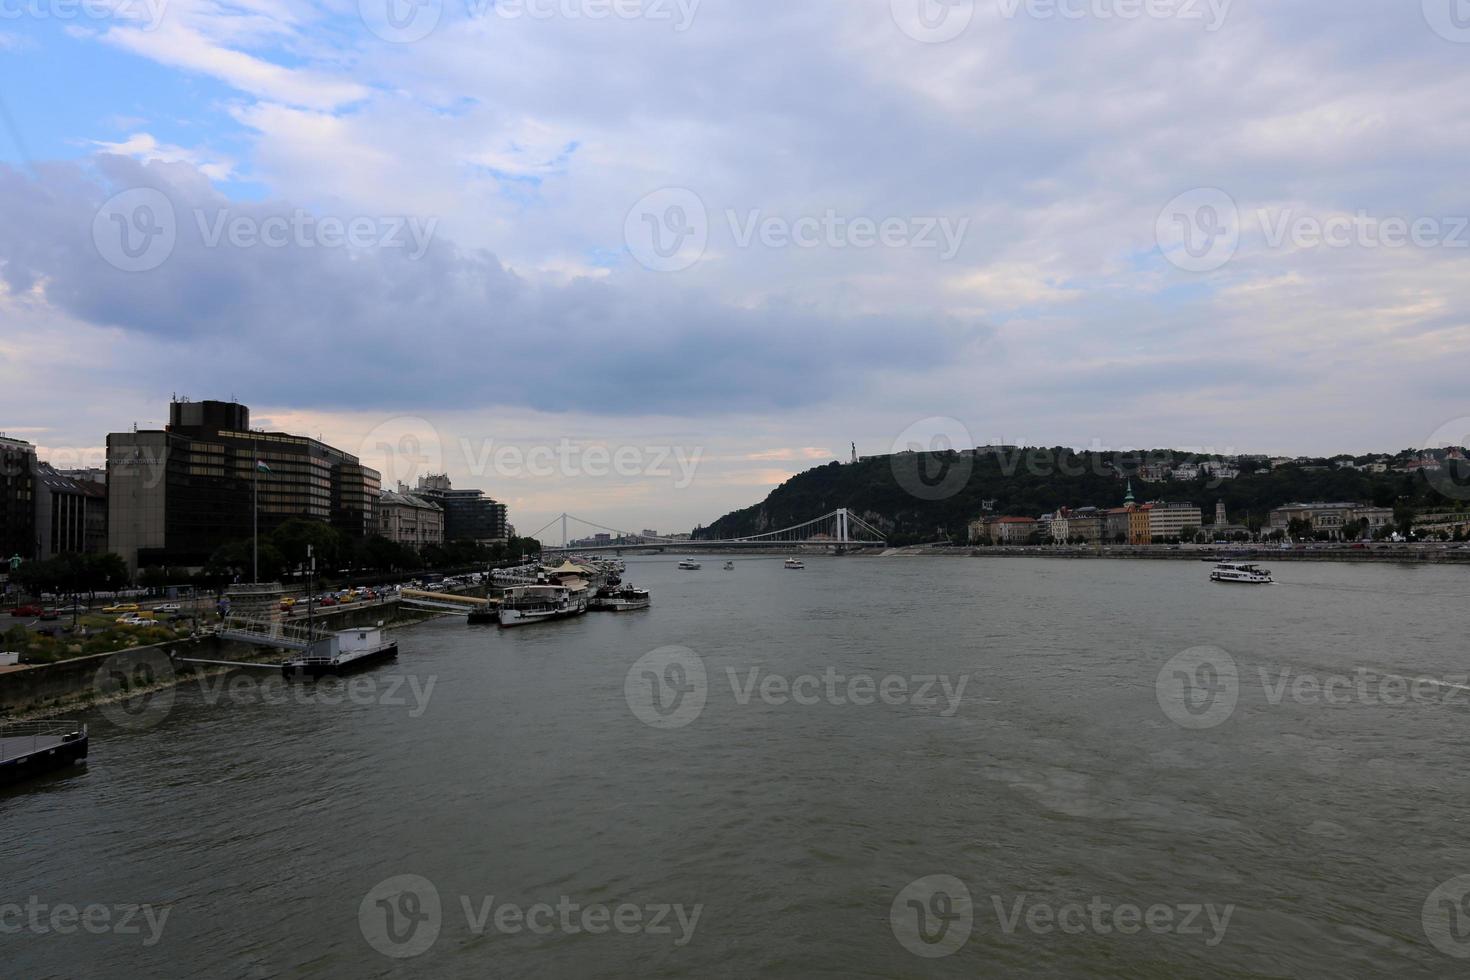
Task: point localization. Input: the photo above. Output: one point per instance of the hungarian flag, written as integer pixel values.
(260, 467)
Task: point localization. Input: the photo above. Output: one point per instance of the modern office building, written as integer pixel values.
(1166, 519)
(17, 499)
(71, 515)
(176, 495)
(469, 515)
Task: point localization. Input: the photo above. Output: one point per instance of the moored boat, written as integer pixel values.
(540, 603)
(1241, 572)
(30, 748)
(624, 599)
(342, 653)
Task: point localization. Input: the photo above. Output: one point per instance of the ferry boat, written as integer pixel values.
(795, 563)
(1242, 572)
(539, 603)
(342, 653)
(613, 599)
(690, 565)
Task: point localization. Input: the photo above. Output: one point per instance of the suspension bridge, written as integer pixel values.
(841, 530)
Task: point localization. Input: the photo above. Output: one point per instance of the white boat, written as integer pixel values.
(1242, 572)
(795, 563)
(729, 566)
(341, 653)
(620, 599)
(690, 565)
(539, 603)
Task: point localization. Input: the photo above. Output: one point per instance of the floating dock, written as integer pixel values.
(30, 748)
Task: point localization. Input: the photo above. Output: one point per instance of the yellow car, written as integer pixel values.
(288, 603)
(121, 607)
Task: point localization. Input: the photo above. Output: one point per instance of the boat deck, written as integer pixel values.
(15, 746)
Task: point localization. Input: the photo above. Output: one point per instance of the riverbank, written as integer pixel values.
(68, 686)
(1395, 554)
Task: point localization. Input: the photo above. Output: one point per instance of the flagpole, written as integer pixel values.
(255, 512)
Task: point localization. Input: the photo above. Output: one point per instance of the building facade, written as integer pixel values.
(1331, 518)
(17, 499)
(1166, 520)
(408, 519)
(469, 515)
(71, 515)
(176, 495)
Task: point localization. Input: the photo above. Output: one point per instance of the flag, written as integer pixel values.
(260, 467)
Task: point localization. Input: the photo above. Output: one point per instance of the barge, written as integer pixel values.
(30, 748)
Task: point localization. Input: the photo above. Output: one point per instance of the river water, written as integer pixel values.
(874, 767)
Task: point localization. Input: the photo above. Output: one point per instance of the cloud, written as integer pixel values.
(322, 325)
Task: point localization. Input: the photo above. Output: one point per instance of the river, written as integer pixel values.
(873, 767)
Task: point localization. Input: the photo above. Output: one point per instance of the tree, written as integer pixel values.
(1189, 535)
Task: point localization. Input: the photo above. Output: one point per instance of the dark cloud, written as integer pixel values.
(337, 327)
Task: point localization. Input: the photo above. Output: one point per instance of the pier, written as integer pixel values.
(30, 748)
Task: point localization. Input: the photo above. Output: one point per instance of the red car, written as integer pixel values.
(26, 611)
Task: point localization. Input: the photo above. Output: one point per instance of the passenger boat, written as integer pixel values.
(795, 563)
(539, 603)
(342, 653)
(612, 599)
(1242, 572)
(690, 565)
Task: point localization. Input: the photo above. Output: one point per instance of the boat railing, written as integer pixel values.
(18, 738)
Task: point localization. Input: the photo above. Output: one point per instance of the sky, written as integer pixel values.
(643, 260)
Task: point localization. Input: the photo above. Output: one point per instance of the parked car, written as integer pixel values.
(48, 615)
(121, 607)
(327, 601)
(168, 607)
(26, 611)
